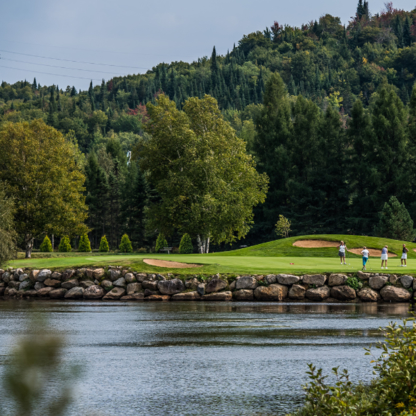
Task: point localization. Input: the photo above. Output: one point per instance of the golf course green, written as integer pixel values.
(279, 256)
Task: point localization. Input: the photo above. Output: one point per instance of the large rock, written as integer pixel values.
(343, 293)
(393, 279)
(314, 279)
(363, 276)
(52, 283)
(56, 276)
(215, 285)
(134, 296)
(38, 286)
(68, 274)
(272, 292)
(86, 284)
(218, 296)
(32, 275)
(23, 277)
(368, 295)
(160, 298)
(287, 279)
(201, 289)
(377, 282)
(406, 281)
(148, 292)
(337, 279)
(44, 291)
(6, 277)
(26, 284)
(134, 288)
(129, 278)
(98, 273)
(69, 284)
(120, 282)
(170, 287)
(114, 274)
(246, 282)
(115, 293)
(75, 293)
(11, 292)
(150, 284)
(232, 285)
(395, 294)
(243, 294)
(320, 293)
(57, 293)
(31, 293)
(43, 275)
(192, 283)
(107, 284)
(297, 292)
(186, 296)
(14, 285)
(141, 277)
(94, 292)
(270, 279)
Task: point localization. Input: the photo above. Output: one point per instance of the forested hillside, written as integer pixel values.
(332, 163)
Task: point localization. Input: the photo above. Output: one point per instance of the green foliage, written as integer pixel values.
(125, 245)
(354, 282)
(7, 233)
(46, 245)
(185, 246)
(84, 245)
(283, 226)
(391, 392)
(395, 221)
(160, 242)
(142, 250)
(64, 245)
(104, 247)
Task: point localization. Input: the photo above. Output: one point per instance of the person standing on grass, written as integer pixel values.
(384, 256)
(365, 254)
(404, 256)
(341, 252)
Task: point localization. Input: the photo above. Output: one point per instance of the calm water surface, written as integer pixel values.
(201, 358)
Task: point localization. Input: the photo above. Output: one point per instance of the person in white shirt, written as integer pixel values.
(365, 254)
(403, 260)
(341, 252)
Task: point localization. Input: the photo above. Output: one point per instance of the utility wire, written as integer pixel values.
(48, 73)
(70, 60)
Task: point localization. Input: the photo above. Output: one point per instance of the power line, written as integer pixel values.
(55, 66)
(70, 60)
(48, 73)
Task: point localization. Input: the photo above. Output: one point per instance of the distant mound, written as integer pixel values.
(315, 243)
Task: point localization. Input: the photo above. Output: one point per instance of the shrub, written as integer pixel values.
(84, 244)
(186, 247)
(64, 245)
(104, 247)
(354, 283)
(160, 242)
(142, 250)
(125, 245)
(46, 246)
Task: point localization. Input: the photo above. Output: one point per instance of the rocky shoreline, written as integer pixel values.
(118, 283)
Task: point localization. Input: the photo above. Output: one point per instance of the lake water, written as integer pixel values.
(201, 358)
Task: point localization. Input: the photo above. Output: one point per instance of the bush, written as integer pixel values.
(104, 247)
(160, 242)
(392, 392)
(84, 244)
(125, 245)
(46, 246)
(142, 250)
(64, 245)
(185, 246)
(354, 283)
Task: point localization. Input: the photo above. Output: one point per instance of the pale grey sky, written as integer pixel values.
(130, 36)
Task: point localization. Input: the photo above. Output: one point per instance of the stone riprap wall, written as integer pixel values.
(117, 283)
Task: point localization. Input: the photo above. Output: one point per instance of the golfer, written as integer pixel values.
(365, 254)
(341, 252)
(384, 256)
(404, 256)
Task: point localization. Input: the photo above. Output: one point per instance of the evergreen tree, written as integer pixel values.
(160, 242)
(185, 246)
(104, 247)
(64, 245)
(395, 221)
(125, 245)
(46, 246)
(84, 244)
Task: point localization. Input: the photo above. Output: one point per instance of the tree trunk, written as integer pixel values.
(53, 242)
(203, 244)
(29, 246)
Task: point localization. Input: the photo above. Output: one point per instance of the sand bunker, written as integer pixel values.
(315, 243)
(374, 252)
(171, 264)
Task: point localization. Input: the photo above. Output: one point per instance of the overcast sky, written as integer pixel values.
(95, 39)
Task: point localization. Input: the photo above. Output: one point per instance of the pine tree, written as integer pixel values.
(46, 246)
(84, 244)
(185, 246)
(64, 245)
(104, 247)
(395, 221)
(34, 85)
(160, 242)
(125, 245)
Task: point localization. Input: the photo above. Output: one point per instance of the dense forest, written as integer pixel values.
(327, 111)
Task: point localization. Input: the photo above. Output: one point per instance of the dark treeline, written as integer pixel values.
(335, 134)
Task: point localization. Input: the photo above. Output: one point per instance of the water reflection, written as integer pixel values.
(201, 358)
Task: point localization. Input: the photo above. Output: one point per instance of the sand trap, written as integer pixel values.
(374, 252)
(171, 264)
(315, 243)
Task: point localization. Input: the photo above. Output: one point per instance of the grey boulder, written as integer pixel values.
(343, 293)
(75, 293)
(215, 285)
(314, 279)
(170, 287)
(377, 282)
(246, 282)
(320, 293)
(94, 292)
(288, 279)
(396, 294)
(337, 279)
(297, 292)
(406, 281)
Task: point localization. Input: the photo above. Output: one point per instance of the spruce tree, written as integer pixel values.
(160, 242)
(185, 246)
(104, 247)
(84, 245)
(125, 245)
(46, 246)
(64, 245)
